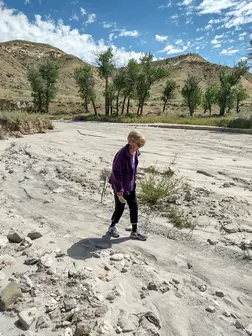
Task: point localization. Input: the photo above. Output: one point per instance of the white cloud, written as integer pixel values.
(131, 33)
(15, 25)
(208, 27)
(219, 36)
(210, 6)
(179, 42)
(83, 11)
(174, 17)
(27, 2)
(169, 4)
(111, 36)
(91, 18)
(229, 51)
(217, 46)
(214, 21)
(199, 38)
(215, 41)
(170, 49)
(107, 25)
(160, 38)
(74, 17)
(185, 3)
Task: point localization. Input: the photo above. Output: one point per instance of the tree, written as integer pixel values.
(119, 84)
(85, 81)
(227, 81)
(111, 96)
(49, 72)
(209, 98)
(168, 92)
(191, 93)
(106, 67)
(43, 82)
(240, 94)
(132, 72)
(37, 85)
(149, 74)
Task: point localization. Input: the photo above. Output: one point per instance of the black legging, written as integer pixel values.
(119, 208)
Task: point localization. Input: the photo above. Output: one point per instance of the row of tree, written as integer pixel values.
(134, 82)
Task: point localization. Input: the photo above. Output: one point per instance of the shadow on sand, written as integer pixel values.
(85, 248)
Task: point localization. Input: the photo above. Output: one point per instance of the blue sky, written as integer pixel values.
(218, 30)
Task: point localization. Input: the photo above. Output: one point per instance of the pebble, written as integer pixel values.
(210, 309)
(14, 236)
(117, 257)
(27, 317)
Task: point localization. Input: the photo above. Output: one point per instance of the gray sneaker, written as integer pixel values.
(138, 235)
(113, 232)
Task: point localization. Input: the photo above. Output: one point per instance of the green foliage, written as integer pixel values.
(43, 83)
(179, 219)
(168, 92)
(239, 94)
(106, 67)
(209, 98)
(156, 186)
(192, 93)
(149, 74)
(86, 83)
(227, 81)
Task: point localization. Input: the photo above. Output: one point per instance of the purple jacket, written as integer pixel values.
(122, 172)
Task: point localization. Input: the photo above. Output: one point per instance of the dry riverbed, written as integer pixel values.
(66, 277)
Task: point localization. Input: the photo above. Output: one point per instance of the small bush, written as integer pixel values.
(156, 186)
(179, 219)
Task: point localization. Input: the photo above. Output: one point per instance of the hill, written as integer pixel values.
(17, 56)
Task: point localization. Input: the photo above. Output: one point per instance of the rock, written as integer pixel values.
(3, 241)
(101, 311)
(70, 304)
(238, 325)
(230, 228)
(14, 236)
(177, 282)
(124, 270)
(25, 243)
(189, 196)
(9, 295)
(33, 256)
(34, 235)
(117, 257)
(25, 283)
(219, 294)
(152, 286)
(210, 309)
(249, 329)
(164, 287)
(42, 322)
(212, 242)
(111, 296)
(68, 332)
(27, 317)
(189, 265)
(2, 276)
(46, 261)
(202, 288)
(118, 330)
(96, 255)
(126, 324)
(105, 329)
(6, 259)
(226, 313)
(82, 329)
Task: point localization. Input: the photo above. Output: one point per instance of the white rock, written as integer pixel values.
(249, 329)
(46, 261)
(27, 317)
(105, 329)
(117, 257)
(3, 241)
(6, 259)
(2, 275)
(25, 283)
(68, 332)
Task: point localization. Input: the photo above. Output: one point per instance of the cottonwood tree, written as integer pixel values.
(192, 93)
(86, 84)
(240, 94)
(227, 81)
(43, 83)
(168, 92)
(149, 75)
(119, 82)
(209, 98)
(132, 71)
(106, 66)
